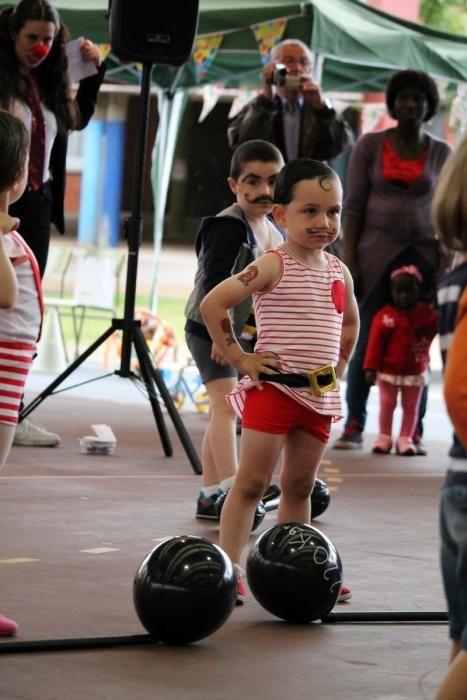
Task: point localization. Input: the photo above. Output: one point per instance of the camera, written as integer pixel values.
(282, 78)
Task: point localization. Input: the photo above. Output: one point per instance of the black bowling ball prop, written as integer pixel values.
(184, 590)
(320, 498)
(295, 572)
(260, 511)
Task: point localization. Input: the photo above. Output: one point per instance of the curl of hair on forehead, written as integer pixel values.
(302, 169)
(325, 183)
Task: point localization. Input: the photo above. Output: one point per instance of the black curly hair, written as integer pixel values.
(413, 78)
(51, 75)
(301, 169)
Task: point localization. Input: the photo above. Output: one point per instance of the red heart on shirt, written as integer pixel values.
(338, 295)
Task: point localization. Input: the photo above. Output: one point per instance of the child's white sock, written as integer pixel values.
(208, 491)
(227, 483)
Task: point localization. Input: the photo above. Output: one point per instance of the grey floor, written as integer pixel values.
(74, 529)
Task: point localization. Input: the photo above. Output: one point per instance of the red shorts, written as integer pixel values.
(272, 411)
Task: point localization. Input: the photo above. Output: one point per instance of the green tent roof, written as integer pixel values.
(360, 45)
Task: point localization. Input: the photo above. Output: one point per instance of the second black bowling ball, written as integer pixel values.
(295, 572)
(184, 590)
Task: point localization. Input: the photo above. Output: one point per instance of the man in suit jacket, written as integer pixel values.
(291, 112)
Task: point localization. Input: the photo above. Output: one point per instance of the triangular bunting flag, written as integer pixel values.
(211, 94)
(243, 96)
(104, 50)
(204, 52)
(267, 35)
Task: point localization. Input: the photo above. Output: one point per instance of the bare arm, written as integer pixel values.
(257, 277)
(8, 281)
(350, 325)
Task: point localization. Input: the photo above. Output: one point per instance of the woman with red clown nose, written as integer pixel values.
(35, 86)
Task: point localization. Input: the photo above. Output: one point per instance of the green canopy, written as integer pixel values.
(357, 44)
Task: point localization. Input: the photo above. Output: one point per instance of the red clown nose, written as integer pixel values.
(39, 50)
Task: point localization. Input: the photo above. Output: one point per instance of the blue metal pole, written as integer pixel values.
(112, 186)
(90, 183)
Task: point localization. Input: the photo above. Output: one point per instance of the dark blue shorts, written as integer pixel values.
(200, 349)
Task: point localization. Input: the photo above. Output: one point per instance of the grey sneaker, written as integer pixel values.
(351, 438)
(29, 434)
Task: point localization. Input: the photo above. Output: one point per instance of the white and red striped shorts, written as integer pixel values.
(15, 363)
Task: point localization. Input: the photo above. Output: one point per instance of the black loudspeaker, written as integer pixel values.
(153, 31)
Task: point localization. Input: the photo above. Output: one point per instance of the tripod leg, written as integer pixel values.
(142, 352)
(69, 370)
(145, 360)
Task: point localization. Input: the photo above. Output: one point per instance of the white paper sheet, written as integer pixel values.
(77, 68)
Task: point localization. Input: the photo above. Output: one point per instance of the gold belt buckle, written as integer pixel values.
(322, 379)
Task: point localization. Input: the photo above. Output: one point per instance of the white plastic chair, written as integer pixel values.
(95, 290)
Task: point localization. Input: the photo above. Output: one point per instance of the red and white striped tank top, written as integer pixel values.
(300, 320)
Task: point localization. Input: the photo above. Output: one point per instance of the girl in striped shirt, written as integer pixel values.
(307, 323)
(20, 293)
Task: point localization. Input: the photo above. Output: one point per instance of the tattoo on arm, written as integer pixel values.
(248, 275)
(346, 348)
(226, 326)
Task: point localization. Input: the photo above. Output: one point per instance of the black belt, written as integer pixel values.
(319, 380)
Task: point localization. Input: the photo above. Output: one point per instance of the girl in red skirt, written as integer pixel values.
(397, 357)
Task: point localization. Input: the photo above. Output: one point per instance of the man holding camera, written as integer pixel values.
(291, 112)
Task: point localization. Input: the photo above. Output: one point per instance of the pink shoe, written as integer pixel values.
(8, 628)
(405, 447)
(241, 590)
(382, 445)
(344, 595)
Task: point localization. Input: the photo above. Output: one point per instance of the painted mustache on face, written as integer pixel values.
(39, 51)
(262, 200)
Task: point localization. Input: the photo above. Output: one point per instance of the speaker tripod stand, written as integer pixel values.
(132, 335)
